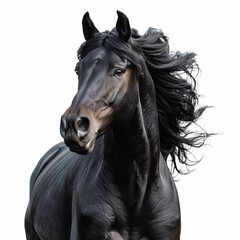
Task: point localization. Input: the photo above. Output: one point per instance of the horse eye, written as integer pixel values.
(118, 72)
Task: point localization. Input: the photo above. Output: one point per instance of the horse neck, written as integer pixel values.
(132, 151)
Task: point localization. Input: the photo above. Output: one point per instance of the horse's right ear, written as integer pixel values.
(89, 29)
(123, 26)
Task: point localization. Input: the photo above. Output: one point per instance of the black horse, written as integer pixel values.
(134, 104)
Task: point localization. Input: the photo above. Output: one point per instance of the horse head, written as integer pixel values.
(104, 82)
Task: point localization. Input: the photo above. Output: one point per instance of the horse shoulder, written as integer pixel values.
(44, 161)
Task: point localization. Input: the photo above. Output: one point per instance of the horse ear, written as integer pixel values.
(123, 26)
(89, 29)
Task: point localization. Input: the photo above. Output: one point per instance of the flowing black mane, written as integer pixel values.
(175, 87)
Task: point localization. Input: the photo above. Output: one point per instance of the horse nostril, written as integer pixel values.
(83, 125)
(71, 124)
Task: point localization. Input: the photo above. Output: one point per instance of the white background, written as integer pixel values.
(38, 44)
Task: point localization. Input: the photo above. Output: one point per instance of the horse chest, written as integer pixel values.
(105, 215)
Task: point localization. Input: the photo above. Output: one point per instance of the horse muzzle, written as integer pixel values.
(79, 132)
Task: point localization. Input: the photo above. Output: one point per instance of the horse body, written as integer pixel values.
(114, 183)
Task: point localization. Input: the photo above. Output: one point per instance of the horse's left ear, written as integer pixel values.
(89, 29)
(123, 27)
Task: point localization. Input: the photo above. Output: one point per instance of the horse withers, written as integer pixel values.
(109, 179)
